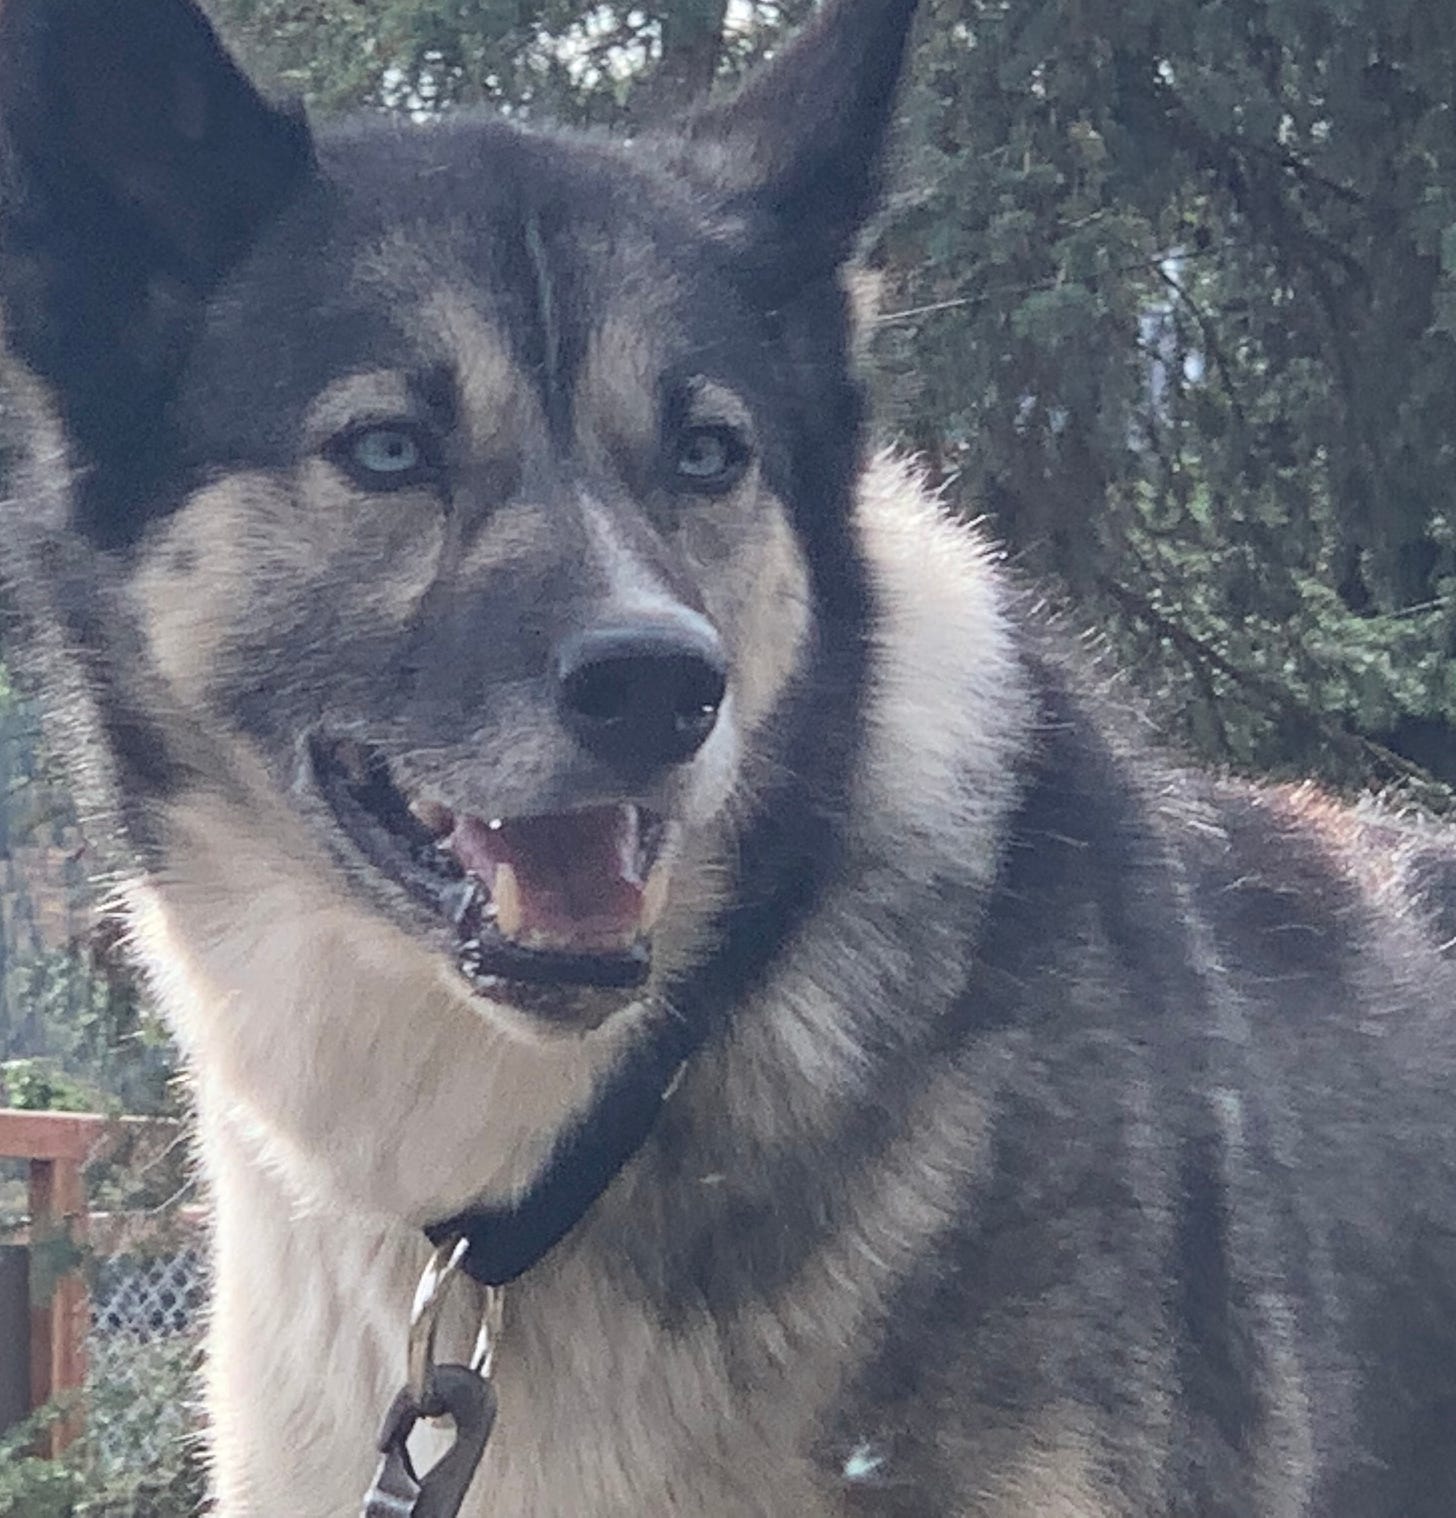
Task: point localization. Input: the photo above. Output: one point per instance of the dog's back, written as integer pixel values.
(1210, 1261)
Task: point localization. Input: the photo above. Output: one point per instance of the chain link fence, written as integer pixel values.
(141, 1352)
(147, 1278)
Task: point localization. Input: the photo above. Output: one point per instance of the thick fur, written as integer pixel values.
(1073, 1137)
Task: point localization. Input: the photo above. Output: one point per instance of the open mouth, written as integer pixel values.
(538, 905)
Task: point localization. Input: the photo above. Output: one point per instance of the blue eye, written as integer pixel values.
(710, 458)
(386, 450)
(386, 455)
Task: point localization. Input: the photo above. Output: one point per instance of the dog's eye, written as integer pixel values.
(386, 456)
(710, 458)
(387, 450)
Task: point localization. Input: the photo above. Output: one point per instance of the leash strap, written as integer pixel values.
(468, 1400)
(493, 1246)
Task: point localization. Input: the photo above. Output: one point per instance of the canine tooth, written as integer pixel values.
(457, 900)
(505, 895)
(654, 898)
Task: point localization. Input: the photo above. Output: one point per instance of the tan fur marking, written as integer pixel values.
(772, 622)
(236, 561)
(1056, 1477)
(616, 393)
(372, 394)
(499, 405)
(500, 411)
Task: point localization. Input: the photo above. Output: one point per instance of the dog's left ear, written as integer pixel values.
(800, 146)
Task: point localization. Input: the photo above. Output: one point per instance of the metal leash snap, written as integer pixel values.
(462, 1394)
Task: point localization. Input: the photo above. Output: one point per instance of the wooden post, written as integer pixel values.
(57, 1146)
(59, 1309)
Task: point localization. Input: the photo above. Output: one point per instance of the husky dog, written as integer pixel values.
(580, 797)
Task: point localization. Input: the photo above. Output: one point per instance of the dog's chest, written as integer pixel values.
(539, 1478)
(605, 1417)
(606, 1432)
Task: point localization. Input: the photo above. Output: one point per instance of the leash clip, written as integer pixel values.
(461, 1394)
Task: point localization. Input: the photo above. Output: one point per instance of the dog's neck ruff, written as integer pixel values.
(505, 1241)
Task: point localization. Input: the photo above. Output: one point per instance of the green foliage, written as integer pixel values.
(31, 1487)
(67, 1003)
(35, 1085)
(592, 65)
(1190, 276)
(94, 1478)
(83, 1040)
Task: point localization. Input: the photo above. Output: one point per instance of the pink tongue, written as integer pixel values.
(577, 882)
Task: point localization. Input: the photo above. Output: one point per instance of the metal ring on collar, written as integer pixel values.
(434, 1285)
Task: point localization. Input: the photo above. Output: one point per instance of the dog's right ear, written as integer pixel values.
(127, 116)
(138, 164)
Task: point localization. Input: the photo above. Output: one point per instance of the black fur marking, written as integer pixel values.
(146, 767)
(1407, 1351)
(813, 127)
(1214, 1358)
(1433, 881)
(139, 163)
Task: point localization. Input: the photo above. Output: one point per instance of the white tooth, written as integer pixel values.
(505, 894)
(457, 899)
(629, 843)
(495, 824)
(654, 897)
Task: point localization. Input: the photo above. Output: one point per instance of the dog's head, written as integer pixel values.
(482, 490)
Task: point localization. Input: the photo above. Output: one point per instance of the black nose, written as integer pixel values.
(642, 695)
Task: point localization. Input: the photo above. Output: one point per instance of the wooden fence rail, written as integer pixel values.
(57, 1147)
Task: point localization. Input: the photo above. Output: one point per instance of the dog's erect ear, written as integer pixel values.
(137, 165)
(128, 116)
(802, 142)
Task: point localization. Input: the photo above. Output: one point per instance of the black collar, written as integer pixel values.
(506, 1241)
